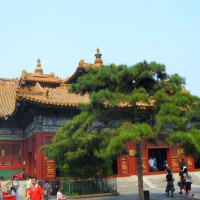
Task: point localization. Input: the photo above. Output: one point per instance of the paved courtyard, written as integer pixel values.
(127, 188)
(155, 194)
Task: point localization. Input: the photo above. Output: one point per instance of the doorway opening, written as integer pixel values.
(160, 154)
(197, 163)
(114, 166)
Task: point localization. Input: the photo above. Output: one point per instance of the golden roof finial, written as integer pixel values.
(98, 54)
(98, 60)
(38, 69)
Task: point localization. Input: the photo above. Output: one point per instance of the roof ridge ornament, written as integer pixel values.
(38, 69)
(98, 60)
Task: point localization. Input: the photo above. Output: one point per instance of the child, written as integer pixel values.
(15, 185)
(59, 194)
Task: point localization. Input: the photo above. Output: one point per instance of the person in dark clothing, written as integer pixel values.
(164, 164)
(47, 188)
(170, 183)
(182, 163)
(182, 180)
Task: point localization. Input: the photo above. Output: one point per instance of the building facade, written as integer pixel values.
(34, 106)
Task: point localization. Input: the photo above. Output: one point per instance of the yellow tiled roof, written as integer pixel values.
(59, 96)
(48, 78)
(51, 96)
(81, 65)
(7, 98)
(185, 90)
(10, 91)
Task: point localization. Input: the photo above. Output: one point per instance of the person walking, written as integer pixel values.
(181, 182)
(28, 184)
(182, 163)
(36, 191)
(170, 183)
(59, 194)
(188, 182)
(47, 189)
(14, 187)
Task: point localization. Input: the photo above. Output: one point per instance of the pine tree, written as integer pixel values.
(126, 103)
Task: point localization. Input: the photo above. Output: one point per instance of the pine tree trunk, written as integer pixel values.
(139, 169)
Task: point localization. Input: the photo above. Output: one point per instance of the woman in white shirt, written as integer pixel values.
(59, 194)
(188, 182)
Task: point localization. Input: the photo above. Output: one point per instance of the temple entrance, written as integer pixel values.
(160, 154)
(197, 163)
(114, 166)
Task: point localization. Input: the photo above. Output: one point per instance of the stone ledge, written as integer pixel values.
(93, 195)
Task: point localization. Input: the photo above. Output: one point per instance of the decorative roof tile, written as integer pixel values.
(7, 98)
(35, 77)
(59, 96)
(82, 66)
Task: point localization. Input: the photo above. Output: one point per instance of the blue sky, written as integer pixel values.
(61, 33)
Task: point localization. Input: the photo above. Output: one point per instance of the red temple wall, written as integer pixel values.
(127, 165)
(11, 155)
(36, 162)
(38, 165)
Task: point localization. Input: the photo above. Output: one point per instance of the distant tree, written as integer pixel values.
(126, 103)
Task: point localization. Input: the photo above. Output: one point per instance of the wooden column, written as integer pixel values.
(39, 156)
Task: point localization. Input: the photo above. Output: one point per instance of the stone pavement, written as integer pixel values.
(128, 188)
(155, 184)
(154, 194)
(130, 184)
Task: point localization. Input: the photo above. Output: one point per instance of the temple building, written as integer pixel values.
(34, 106)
